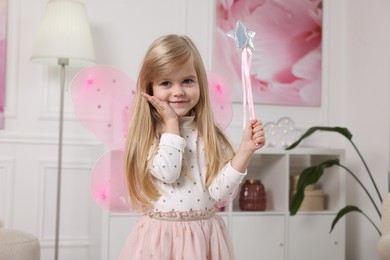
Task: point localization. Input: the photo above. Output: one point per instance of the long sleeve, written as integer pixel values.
(224, 186)
(167, 163)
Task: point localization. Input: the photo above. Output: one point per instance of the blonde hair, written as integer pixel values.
(164, 55)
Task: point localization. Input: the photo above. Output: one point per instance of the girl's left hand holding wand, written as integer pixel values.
(252, 139)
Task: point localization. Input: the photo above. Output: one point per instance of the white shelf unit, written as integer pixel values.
(271, 234)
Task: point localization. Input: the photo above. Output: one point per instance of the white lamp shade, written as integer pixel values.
(64, 34)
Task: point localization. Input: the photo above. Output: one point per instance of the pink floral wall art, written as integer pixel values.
(3, 28)
(286, 63)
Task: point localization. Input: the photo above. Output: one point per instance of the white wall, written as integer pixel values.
(367, 112)
(355, 95)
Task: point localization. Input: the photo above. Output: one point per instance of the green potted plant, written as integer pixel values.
(312, 175)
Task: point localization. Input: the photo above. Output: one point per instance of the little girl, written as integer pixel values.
(179, 164)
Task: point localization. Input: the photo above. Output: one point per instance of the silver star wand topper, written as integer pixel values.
(242, 36)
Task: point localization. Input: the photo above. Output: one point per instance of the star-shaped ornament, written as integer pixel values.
(242, 36)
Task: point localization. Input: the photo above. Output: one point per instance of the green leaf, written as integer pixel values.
(342, 212)
(351, 208)
(341, 130)
(309, 176)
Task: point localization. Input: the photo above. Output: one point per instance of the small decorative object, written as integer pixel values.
(314, 198)
(253, 196)
(281, 134)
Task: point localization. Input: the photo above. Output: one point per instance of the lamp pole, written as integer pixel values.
(63, 62)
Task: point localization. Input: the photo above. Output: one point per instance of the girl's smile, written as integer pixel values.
(179, 102)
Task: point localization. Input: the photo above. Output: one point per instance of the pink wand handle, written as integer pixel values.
(246, 60)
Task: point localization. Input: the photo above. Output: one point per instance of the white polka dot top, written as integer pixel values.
(179, 171)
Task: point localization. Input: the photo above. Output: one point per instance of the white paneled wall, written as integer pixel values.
(28, 149)
(6, 184)
(122, 30)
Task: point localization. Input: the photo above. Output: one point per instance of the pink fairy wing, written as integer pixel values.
(108, 183)
(102, 97)
(221, 99)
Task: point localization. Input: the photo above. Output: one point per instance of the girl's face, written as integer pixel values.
(179, 88)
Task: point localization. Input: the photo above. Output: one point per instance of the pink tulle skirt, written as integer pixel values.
(159, 239)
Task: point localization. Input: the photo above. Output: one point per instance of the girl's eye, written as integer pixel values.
(188, 81)
(166, 83)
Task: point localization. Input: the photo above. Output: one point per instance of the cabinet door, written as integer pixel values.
(120, 226)
(258, 237)
(309, 238)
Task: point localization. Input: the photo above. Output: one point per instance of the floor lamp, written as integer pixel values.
(64, 39)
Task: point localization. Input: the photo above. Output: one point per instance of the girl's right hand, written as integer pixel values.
(163, 108)
(170, 118)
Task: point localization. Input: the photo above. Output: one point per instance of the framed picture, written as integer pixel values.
(287, 56)
(3, 29)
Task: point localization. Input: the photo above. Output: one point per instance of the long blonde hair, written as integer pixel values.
(164, 55)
